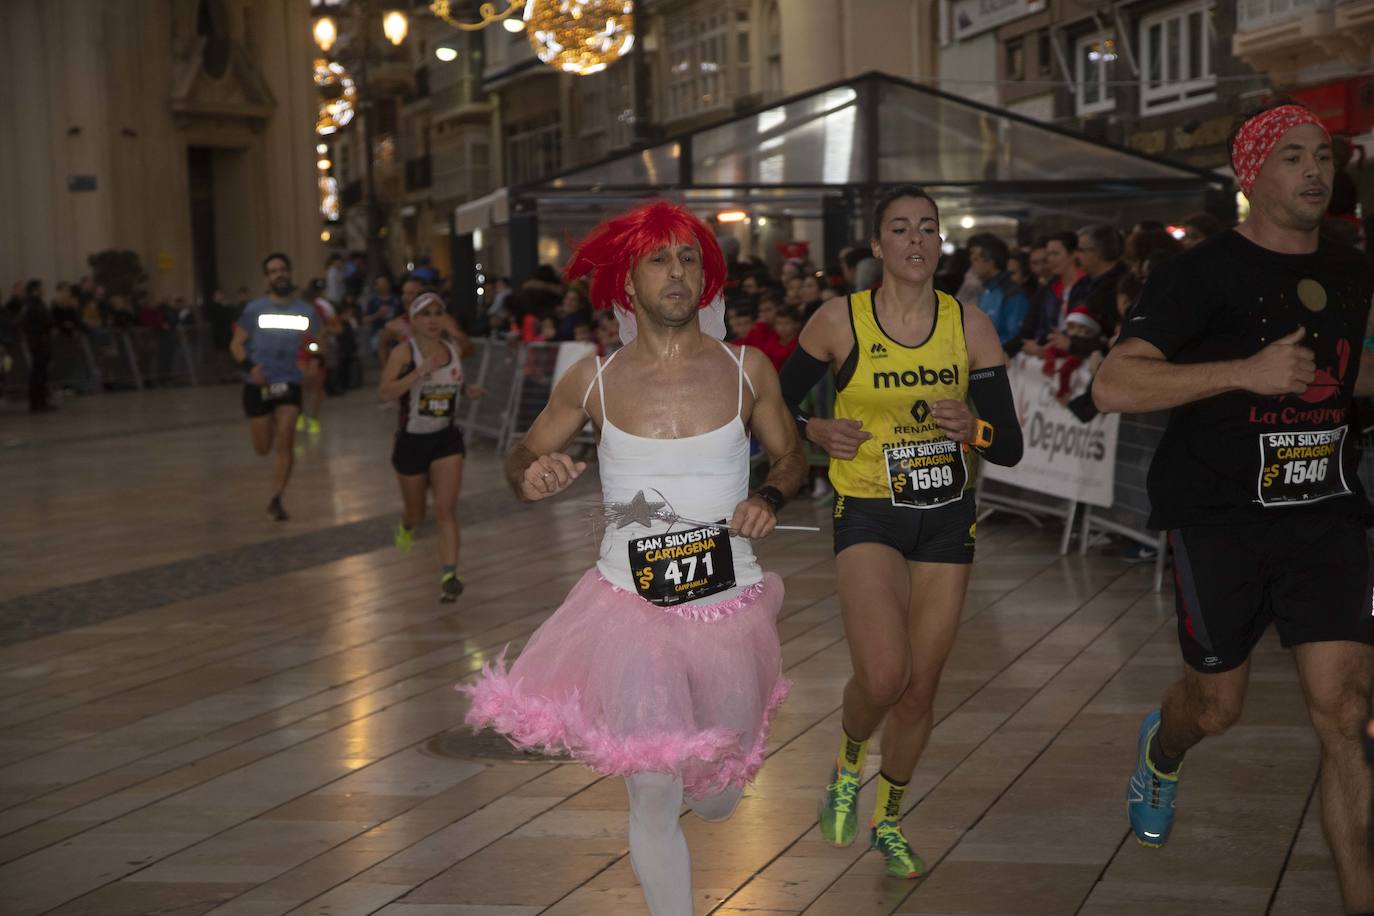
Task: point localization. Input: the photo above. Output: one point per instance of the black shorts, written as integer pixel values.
(944, 534)
(1310, 575)
(255, 405)
(415, 452)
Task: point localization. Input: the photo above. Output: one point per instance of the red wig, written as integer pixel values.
(609, 251)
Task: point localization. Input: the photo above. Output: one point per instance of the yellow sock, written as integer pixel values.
(852, 753)
(889, 807)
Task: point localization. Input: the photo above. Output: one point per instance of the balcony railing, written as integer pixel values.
(418, 173)
(1259, 14)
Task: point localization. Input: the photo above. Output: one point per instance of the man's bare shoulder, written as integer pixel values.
(757, 365)
(576, 380)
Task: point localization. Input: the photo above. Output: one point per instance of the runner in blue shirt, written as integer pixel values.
(268, 340)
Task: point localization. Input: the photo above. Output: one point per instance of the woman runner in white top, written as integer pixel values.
(426, 375)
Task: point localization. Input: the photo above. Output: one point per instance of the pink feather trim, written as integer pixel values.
(560, 726)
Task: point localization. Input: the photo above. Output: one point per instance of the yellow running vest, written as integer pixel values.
(909, 460)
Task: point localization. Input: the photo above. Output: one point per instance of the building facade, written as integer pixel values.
(178, 129)
(1164, 77)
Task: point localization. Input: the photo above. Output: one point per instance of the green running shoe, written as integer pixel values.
(449, 588)
(902, 861)
(313, 426)
(300, 423)
(838, 823)
(405, 538)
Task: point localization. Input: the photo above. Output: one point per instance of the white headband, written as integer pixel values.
(425, 299)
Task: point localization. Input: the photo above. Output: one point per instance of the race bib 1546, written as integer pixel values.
(1301, 468)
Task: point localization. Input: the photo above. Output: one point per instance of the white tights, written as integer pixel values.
(658, 850)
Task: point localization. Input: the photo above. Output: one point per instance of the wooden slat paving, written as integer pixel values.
(264, 749)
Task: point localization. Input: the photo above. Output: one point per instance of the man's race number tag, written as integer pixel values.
(923, 475)
(437, 400)
(682, 566)
(275, 390)
(1299, 468)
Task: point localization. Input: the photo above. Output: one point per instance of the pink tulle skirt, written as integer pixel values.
(625, 686)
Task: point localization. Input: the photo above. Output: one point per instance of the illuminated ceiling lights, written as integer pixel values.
(574, 36)
(731, 216)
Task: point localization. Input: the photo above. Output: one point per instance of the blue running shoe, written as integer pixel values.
(1150, 798)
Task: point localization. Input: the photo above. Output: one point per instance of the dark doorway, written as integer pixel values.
(200, 171)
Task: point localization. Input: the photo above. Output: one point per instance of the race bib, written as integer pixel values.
(923, 475)
(682, 566)
(437, 400)
(1297, 468)
(275, 390)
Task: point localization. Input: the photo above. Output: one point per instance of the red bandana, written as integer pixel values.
(1257, 138)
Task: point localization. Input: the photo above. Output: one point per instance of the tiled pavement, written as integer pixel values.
(204, 712)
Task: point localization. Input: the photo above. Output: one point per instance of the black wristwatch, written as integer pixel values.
(772, 496)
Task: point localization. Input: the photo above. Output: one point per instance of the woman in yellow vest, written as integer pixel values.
(906, 359)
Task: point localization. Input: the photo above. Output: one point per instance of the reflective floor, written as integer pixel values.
(204, 711)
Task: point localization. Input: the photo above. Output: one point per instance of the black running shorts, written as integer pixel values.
(944, 534)
(1308, 574)
(415, 452)
(261, 400)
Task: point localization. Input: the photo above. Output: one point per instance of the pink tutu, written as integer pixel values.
(625, 686)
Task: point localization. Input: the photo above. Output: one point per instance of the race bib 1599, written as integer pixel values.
(923, 475)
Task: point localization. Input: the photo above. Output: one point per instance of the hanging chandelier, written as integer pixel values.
(340, 96)
(574, 36)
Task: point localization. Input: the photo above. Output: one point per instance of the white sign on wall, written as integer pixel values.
(1064, 456)
(970, 17)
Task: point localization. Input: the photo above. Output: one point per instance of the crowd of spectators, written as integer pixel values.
(1062, 298)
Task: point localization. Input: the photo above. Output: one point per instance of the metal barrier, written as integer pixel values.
(1128, 516)
(72, 366)
(497, 371)
(113, 353)
(529, 391)
(164, 357)
(519, 381)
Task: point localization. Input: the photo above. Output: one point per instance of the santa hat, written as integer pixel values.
(1081, 316)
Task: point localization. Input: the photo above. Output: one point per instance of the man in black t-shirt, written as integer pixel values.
(1254, 340)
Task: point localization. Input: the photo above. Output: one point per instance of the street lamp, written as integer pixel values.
(326, 33)
(395, 26)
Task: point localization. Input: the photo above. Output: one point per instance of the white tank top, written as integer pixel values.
(431, 403)
(702, 478)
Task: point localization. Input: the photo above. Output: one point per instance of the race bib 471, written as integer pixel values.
(682, 566)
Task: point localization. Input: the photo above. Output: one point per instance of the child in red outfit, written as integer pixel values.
(1078, 323)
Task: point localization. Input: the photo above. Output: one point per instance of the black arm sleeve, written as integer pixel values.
(991, 394)
(799, 375)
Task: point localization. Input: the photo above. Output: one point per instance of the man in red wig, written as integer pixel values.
(1254, 340)
(663, 664)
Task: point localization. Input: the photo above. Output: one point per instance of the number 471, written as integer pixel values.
(675, 575)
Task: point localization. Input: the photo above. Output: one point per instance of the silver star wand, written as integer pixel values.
(639, 511)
